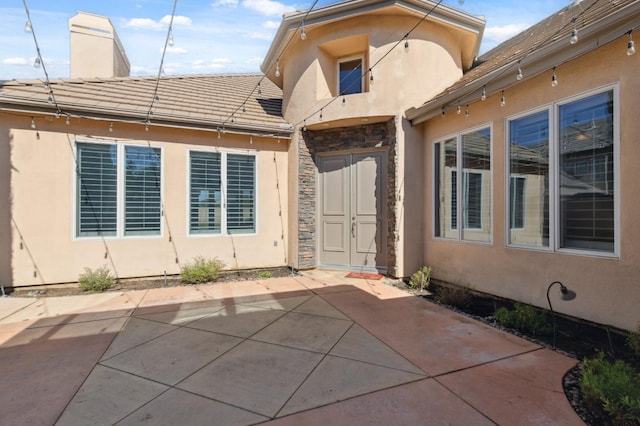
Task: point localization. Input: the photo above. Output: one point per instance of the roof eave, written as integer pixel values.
(592, 37)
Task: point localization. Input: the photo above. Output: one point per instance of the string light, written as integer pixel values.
(50, 99)
(574, 36)
(259, 90)
(458, 109)
(483, 97)
(156, 98)
(320, 113)
(250, 140)
(519, 73)
(170, 41)
(466, 112)
(33, 123)
(37, 62)
(370, 75)
(503, 101)
(631, 46)
(344, 101)
(67, 121)
(146, 125)
(554, 78)
(27, 26)
(304, 127)
(303, 34)
(278, 69)
(406, 41)
(443, 112)
(244, 108)
(219, 133)
(111, 127)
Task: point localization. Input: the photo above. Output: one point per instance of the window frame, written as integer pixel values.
(553, 109)
(340, 61)
(223, 190)
(461, 207)
(120, 190)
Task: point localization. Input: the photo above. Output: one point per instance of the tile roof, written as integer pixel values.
(545, 33)
(203, 100)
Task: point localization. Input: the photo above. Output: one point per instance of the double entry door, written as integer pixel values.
(352, 210)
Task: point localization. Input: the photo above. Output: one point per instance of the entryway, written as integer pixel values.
(352, 210)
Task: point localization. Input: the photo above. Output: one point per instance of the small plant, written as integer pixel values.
(454, 296)
(633, 341)
(264, 274)
(420, 279)
(96, 280)
(201, 270)
(613, 387)
(525, 318)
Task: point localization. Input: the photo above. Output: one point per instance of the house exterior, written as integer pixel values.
(376, 140)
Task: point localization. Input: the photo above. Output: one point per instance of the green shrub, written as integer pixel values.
(201, 270)
(96, 280)
(454, 296)
(633, 341)
(421, 278)
(525, 318)
(613, 387)
(264, 274)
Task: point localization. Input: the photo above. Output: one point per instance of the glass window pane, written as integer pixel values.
(142, 191)
(586, 174)
(350, 76)
(97, 190)
(476, 200)
(205, 200)
(445, 158)
(241, 201)
(529, 180)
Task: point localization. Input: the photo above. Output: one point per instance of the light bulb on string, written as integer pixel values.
(344, 101)
(466, 112)
(304, 126)
(574, 36)
(67, 121)
(303, 34)
(33, 123)
(259, 90)
(250, 140)
(278, 70)
(519, 72)
(483, 97)
(443, 112)
(111, 127)
(244, 108)
(370, 75)
(406, 41)
(554, 78)
(458, 109)
(58, 113)
(156, 98)
(631, 46)
(27, 27)
(320, 113)
(37, 62)
(219, 133)
(170, 41)
(50, 100)
(503, 101)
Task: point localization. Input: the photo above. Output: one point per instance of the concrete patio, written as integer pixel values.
(306, 350)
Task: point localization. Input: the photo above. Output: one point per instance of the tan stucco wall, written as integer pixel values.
(406, 77)
(44, 248)
(608, 290)
(5, 204)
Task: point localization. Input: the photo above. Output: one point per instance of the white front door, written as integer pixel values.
(352, 215)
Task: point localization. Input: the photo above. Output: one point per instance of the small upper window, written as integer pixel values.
(350, 76)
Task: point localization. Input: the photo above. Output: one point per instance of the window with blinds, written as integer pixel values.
(142, 208)
(97, 190)
(241, 198)
(205, 200)
(222, 193)
(118, 190)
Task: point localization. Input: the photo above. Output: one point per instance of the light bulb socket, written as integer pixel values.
(519, 75)
(574, 36)
(631, 48)
(484, 94)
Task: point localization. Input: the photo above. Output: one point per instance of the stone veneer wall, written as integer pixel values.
(311, 143)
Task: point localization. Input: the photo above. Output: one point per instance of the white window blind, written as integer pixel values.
(142, 191)
(97, 187)
(205, 193)
(241, 199)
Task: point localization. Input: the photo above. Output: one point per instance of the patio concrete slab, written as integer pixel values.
(136, 332)
(173, 356)
(336, 379)
(203, 412)
(419, 403)
(107, 396)
(11, 305)
(523, 389)
(369, 346)
(44, 367)
(256, 376)
(238, 320)
(318, 306)
(358, 344)
(302, 331)
(431, 337)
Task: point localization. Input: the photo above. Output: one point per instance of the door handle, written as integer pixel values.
(353, 227)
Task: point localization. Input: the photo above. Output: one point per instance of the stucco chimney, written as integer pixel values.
(96, 50)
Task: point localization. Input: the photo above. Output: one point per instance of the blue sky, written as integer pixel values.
(211, 36)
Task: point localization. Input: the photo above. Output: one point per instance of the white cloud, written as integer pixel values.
(177, 20)
(268, 7)
(174, 49)
(143, 24)
(214, 64)
(260, 36)
(254, 61)
(270, 25)
(15, 61)
(500, 33)
(230, 3)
